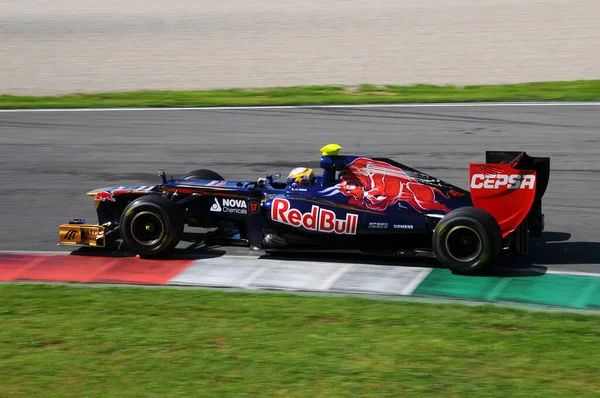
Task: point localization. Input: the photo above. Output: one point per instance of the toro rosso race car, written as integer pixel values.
(357, 203)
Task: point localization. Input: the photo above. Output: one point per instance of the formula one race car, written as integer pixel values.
(373, 205)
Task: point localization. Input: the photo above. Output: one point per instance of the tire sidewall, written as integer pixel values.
(172, 227)
(488, 232)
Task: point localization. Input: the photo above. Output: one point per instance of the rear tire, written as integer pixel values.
(151, 226)
(467, 240)
(202, 174)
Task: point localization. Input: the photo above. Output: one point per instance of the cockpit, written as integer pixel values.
(301, 178)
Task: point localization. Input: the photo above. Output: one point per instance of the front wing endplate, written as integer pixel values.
(82, 234)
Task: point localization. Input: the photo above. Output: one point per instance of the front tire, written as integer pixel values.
(151, 226)
(467, 240)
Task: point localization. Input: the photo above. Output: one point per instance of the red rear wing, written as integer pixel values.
(510, 187)
(504, 192)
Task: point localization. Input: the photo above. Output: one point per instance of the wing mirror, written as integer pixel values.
(274, 176)
(162, 175)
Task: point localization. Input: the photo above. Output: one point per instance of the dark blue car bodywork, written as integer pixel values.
(249, 206)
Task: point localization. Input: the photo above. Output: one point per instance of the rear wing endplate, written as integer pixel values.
(522, 161)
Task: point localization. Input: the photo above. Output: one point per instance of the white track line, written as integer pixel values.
(412, 286)
(349, 106)
(329, 282)
(594, 274)
(249, 280)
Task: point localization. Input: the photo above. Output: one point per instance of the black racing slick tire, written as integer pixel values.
(467, 240)
(202, 174)
(151, 226)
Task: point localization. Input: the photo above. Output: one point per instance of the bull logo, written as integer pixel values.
(377, 185)
(103, 195)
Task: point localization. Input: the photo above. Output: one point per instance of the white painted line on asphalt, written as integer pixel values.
(248, 281)
(248, 257)
(412, 285)
(597, 275)
(348, 106)
(335, 277)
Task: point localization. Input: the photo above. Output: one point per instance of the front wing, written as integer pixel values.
(82, 234)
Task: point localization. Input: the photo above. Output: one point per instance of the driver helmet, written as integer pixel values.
(301, 176)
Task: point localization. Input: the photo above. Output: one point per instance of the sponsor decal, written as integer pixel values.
(505, 193)
(216, 206)
(403, 226)
(318, 219)
(253, 206)
(71, 234)
(377, 185)
(104, 195)
(230, 206)
(495, 181)
(378, 225)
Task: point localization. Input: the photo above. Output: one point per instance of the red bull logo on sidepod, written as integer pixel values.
(377, 185)
(318, 219)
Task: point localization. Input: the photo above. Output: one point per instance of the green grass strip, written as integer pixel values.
(59, 341)
(584, 90)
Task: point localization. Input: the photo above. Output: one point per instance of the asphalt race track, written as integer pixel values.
(50, 159)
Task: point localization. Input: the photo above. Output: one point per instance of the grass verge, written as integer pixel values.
(72, 342)
(583, 90)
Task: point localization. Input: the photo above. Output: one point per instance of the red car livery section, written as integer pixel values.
(318, 219)
(504, 192)
(377, 185)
